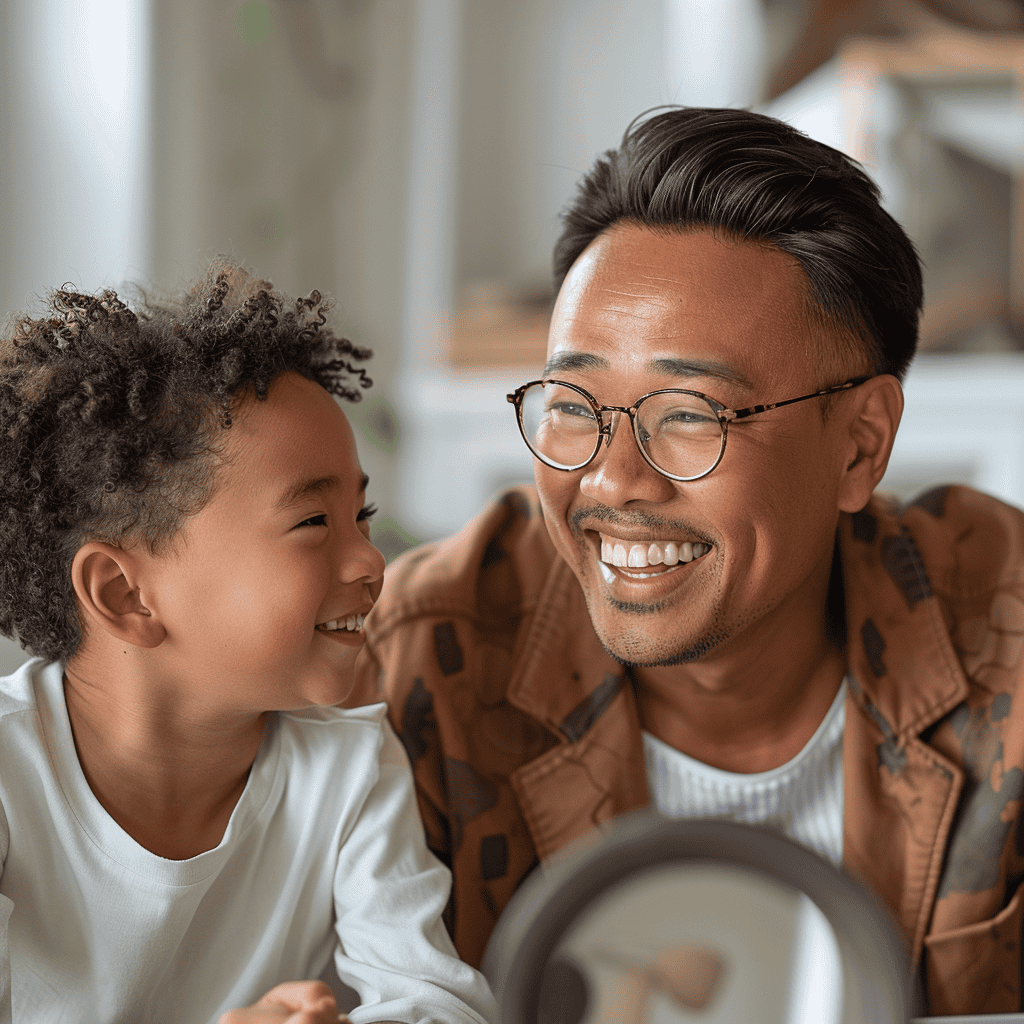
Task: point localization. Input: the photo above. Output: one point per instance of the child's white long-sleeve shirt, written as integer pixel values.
(324, 855)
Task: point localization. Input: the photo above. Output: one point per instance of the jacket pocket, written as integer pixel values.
(976, 968)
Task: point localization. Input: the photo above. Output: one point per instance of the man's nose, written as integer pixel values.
(619, 473)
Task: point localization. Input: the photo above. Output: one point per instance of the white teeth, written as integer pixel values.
(609, 576)
(354, 624)
(639, 555)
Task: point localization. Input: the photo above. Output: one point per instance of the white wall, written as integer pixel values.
(74, 189)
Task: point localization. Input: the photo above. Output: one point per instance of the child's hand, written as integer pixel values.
(292, 1002)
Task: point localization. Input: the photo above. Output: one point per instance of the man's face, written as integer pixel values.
(640, 311)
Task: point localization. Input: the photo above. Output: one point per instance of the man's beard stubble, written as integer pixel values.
(695, 650)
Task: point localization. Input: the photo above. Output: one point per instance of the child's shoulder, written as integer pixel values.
(366, 717)
(339, 734)
(19, 692)
(335, 756)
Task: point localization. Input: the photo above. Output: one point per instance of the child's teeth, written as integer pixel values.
(354, 623)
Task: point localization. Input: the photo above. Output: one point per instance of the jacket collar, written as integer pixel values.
(907, 674)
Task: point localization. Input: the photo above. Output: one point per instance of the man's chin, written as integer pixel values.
(646, 651)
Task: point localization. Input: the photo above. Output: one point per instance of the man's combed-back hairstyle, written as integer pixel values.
(112, 421)
(753, 177)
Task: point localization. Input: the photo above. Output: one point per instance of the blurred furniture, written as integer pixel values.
(497, 326)
(959, 143)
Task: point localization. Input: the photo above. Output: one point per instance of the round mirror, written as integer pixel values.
(666, 922)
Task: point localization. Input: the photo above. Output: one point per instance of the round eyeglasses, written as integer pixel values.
(680, 433)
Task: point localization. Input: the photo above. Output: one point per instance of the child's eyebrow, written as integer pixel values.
(314, 485)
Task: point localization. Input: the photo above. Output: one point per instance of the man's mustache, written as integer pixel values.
(616, 517)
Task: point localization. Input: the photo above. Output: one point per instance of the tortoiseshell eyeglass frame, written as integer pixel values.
(725, 417)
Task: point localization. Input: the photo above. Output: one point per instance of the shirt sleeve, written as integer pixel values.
(6, 906)
(389, 893)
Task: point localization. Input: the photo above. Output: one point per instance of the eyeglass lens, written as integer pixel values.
(679, 432)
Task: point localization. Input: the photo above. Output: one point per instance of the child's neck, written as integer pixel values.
(168, 775)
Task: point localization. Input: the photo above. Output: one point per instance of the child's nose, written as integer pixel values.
(361, 561)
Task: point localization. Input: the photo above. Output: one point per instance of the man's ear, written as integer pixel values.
(106, 583)
(870, 431)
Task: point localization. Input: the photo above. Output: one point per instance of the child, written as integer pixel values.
(186, 821)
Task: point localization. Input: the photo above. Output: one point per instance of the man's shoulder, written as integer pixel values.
(968, 540)
(493, 567)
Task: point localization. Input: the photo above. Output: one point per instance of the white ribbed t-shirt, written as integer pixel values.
(802, 798)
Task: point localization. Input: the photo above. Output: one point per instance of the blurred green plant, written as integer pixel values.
(254, 22)
(391, 538)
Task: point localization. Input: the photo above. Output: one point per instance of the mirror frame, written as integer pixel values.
(551, 900)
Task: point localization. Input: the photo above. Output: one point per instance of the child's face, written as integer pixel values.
(280, 550)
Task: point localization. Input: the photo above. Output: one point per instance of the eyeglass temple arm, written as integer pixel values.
(741, 414)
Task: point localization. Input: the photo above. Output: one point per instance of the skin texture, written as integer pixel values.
(294, 1002)
(187, 649)
(733, 664)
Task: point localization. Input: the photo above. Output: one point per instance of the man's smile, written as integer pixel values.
(639, 555)
(644, 561)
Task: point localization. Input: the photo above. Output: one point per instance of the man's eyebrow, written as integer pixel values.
(667, 366)
(700, 368)
(314, 485)
(575, 361)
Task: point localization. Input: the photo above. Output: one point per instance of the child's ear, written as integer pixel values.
(877, 408)
(106, 583)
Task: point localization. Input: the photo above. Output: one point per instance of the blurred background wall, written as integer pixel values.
(411, 157)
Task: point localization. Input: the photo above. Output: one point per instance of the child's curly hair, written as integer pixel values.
(112, 420)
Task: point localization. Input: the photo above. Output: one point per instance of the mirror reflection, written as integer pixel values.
(733, 946)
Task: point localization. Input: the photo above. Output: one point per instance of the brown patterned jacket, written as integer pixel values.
(523, 735)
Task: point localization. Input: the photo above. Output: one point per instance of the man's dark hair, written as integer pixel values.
(112, 423)
(755, 178)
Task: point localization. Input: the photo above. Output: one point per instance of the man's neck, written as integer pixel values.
(747, 711)
(167, 773)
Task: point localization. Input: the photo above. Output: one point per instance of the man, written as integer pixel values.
(703, 605)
